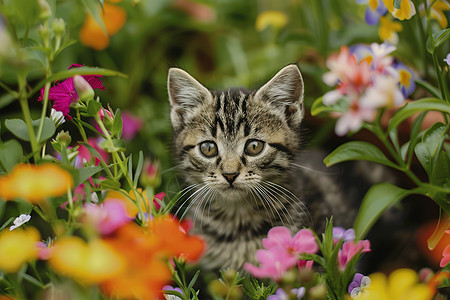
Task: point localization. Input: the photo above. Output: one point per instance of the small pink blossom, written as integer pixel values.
(349, 249)
(157, 200)
(274, 263)
(85, 156)
(106, 217)
(44, 249)
(280, 237)
(305, 264)
(354, 117)
(445, 256)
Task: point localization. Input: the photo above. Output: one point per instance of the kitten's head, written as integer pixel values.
(236, 140)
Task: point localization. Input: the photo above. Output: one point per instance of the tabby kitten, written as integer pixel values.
(237, 150)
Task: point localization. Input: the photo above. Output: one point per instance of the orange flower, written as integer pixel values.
(147, 251)
(92, 34)
(17, 247)
(89, 263)
(35, 183)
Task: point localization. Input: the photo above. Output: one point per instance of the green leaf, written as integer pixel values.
(27, 11)
(427, 151)
(95, 9)
(19, 128)
(397, 4)
(357, 150)
(117, 125)
(11, 153)
(93, 108)
(2, 208)
(115, 146)
(85, 173)
(379, 197)
(439, 38)
(319, 108)
(7, 223)
(411, 108)
(139, 168)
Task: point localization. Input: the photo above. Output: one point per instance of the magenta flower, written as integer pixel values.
(64, 94)
(280, 237)
(106, 217)
(85, 156)
(350, 249)
(131, 126)
(171, 288)
(305, 264)
(274, 263)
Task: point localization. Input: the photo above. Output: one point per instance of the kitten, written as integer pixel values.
(239, 152)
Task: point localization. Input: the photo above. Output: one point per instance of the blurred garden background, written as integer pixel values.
(222, 43)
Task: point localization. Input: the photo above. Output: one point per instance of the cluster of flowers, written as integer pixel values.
(377, 12)
(284, 252)
(126, 260)
(366, 78)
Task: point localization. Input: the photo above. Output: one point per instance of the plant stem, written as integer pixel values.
(23, 100)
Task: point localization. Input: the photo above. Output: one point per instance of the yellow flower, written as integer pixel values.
(437, 12)
(401, 284)
(388, 30)
(274, 18)
(89, 263)
(406, 10)
(35, 182)
(17, 247)
(92, 35)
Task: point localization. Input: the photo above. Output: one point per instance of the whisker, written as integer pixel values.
(285, 211)
(310, 169)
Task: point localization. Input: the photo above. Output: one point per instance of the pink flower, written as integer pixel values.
(274, 263)
(44, 249)
(131, 126)
(157, 199)
(64, 94)
(85, 155)
(349, 249)
(354, 117)
(305, 264)
(302, 242)
(106, 217)
(446, 256)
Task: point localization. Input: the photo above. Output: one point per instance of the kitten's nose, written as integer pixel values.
(230, 177)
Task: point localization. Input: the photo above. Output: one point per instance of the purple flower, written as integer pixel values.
(357, 286)
(340, 233)
(171, 288)
(447, 59)
(64, 94)
(282, 295)
(406, 79)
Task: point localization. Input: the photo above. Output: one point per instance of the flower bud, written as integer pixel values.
(83, 88)
(57, 117)
(64, 138)
(58, 26)
(46, 11)
(150, 175)
(107, 118)
(44, 34)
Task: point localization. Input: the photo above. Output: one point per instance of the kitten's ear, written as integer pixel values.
(185, 93)
(285, 92)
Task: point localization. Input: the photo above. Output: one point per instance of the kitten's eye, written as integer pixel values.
(254, 147)
(208, 148)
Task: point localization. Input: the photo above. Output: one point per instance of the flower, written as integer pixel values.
(131, 125)
(83, 88)
(447, 59)
(354, 117)
(437, 12)
(303, 241)
(385, 92)
(282, 295)
(445, 257)
(19, 221)
(406, 79)
(273, 18)
(131, 204)
(350, 249)
(45, 249)
(340, 233)
(106, 217)
(171, 288)
(84, 154)
(90, 262)
(388, 30)
(64, 93)
(57, 117)
(401, 284)
(35, 183)
(405, 11)
(273, 263)
(374, 10)
(92, 34)
(358, 285)
(17, 247)
(150, 175)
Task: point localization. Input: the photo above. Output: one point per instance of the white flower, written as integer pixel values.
(57, 117)
(19, 221)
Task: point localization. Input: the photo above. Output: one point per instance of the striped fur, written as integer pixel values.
(233, 215)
